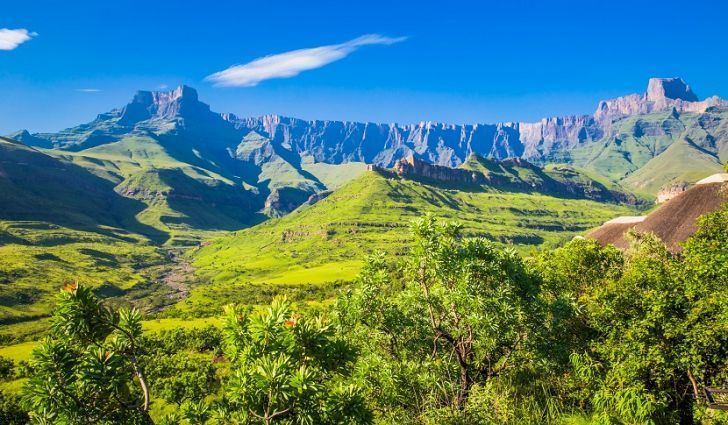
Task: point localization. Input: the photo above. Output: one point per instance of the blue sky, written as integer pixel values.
(460, 62)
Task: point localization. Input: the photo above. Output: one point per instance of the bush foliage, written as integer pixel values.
(459, 331)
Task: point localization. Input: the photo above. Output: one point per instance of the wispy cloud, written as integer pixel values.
(89, 90)
(290, 64)
(10, 39)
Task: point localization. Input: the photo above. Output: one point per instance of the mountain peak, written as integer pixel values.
(670, 88)
(24, 137)
(162, 104)
(663, 94)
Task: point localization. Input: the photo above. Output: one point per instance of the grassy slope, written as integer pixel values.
(646, 152)
(333, 176)
(328, 241)
(42, 257)
(59, 223)
(682, 161)
(63, 221)
(142, 165)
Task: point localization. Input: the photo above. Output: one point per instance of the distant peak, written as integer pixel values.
(25, 137)
(183, 100)
(670, 88)
(151, 97)
(22, 133)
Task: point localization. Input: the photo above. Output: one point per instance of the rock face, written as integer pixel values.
(449, 145)
(382, 144)
(412, 167)
(671, 191)
(670, 88)
(550, 139)
(181, 102)
(662, 94)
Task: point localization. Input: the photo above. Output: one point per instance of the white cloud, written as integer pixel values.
(89, 90)
(290, 64)
(10, 39)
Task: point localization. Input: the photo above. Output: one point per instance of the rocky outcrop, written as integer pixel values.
(662, 94)
(671, 191)
(282, 201)
(414, 168)
(669, 88)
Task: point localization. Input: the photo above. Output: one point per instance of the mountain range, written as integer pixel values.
(642, 142)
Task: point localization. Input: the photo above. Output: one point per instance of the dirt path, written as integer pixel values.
(178, 276)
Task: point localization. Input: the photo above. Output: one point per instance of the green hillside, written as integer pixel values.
(647, 152)
(37, 258)
(61, 223)
(36, 186)
(682, 161)
(559, 180)
(315, 245)
(184, 202)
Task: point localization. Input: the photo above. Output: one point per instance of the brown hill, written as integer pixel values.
(673, 222)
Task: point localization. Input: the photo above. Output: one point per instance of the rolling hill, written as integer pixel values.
(307, 251)
(60, 223)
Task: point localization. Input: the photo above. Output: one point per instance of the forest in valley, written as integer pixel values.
(458, 331)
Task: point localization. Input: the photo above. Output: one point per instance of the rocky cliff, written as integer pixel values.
(511, 174)
(662, 94)
(449, 145)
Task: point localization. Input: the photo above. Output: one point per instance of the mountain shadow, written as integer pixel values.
(37, 187)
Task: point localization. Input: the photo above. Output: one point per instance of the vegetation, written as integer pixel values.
(458, 331)
(315, 246)
(646, 152)
(42, 257)
(88, 370)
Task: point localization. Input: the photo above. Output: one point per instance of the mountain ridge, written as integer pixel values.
(623, 135)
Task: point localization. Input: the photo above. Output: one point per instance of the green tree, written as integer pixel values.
(287, 368)
(661, 329)
(87, 370)
(458, 313)
(569, 275)
(703, 273)
(182, 376)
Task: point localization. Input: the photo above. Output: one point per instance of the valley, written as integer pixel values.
(255, 207)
